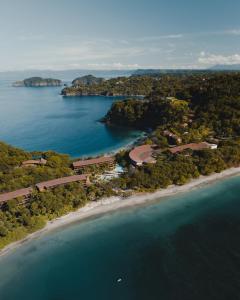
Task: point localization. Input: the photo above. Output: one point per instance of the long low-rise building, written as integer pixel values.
(21, 193)
(34, 162)
(108, 160)
(142, 155)
(42, 186)
(192, 146)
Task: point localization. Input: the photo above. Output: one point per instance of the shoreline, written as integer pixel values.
(106, 205)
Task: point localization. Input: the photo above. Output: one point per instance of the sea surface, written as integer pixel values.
(41, 119)
(185, 247)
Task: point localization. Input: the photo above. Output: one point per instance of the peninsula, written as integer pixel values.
(193, 129)
(38, 82)
(120, 86)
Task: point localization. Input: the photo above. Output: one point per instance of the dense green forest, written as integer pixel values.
(17, 220)
(38, 82)
(126, 86)
(178, 169)
(194, 108)
(211, 102)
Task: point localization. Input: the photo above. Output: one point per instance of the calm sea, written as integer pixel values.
(183, 248)
(41, 119)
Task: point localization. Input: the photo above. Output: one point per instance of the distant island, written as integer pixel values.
(38, 82)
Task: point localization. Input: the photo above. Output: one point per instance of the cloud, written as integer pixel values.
(218, 59)
(31, 38)
(159, 37)
(115, 65)
(232, 32)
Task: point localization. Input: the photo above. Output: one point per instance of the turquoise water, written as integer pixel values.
(183, 248)
(41, 119)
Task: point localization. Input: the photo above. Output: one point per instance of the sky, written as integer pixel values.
(118, 34)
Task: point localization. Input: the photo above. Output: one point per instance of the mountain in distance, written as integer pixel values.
(64, 75)
(234, 67)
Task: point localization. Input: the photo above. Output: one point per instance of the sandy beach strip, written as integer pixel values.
(106, 205)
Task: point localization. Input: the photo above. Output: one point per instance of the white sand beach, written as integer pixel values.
(114, 203)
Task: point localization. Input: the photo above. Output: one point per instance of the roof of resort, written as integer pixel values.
(93, 161)
(40, 161)
(192, 146)
(41, 186)
(142, 154)
(61, 181)
(12, 195)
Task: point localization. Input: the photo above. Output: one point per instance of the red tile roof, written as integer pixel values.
(12, 195)
(142, 154)
(192, 146)
(93, 161)
(34, 162)
(61, 181)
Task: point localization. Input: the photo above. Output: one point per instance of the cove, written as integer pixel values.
(41, 119)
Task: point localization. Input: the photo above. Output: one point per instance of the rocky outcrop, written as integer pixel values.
(38, 82)
(87, 80)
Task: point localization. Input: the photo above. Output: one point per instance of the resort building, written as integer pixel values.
(25, 193)
(34, 162)
(42, 186)
(142, 155)
(173, 137)
(104, 160)
(193, 146)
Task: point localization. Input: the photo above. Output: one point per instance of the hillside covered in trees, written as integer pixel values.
(18, 219)
(121, 86)
(210, 101)
(178, 109)
(38, 82)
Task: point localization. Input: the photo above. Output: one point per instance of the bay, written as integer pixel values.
(41, 119)
(182, 247)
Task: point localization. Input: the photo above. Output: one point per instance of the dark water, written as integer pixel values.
(41, 119)
(186, 247)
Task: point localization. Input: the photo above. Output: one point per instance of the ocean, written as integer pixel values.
(184, 247)
(41, 119)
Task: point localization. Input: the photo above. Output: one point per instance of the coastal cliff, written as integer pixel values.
(37, 82)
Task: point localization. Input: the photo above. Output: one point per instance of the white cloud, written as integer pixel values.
(35, 37)
(232, 32)
(159, 37)
(115, 65)
(218, 59)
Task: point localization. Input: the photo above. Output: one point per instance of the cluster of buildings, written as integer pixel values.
(145, 154)
(50, 184)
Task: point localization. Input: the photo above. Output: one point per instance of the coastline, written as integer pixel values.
(111, 204)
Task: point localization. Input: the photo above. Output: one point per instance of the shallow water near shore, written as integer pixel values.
(41, 119)
(183, 247)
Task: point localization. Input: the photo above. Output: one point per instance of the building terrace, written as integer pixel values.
(42, 186)
(142, 155)
(25, 193)
(34, 162)
(192, 146)
(108, 160)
